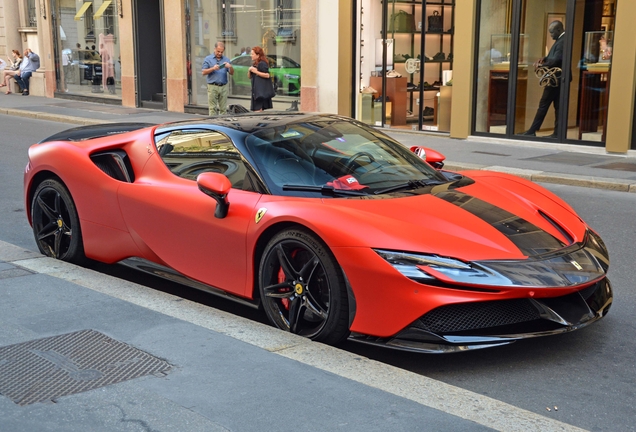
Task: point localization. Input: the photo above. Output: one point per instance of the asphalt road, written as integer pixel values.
(588, 375)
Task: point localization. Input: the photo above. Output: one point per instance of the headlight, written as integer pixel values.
(290, 76)
(575, 265)
(425, 268)
(595, 242)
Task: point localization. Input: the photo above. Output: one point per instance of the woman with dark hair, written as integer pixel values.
(13, 68)
(262, 87)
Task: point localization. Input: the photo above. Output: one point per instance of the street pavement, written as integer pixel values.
(218, 371)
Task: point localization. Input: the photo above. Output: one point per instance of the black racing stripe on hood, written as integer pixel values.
(529, 238)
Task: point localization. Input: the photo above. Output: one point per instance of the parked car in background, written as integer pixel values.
(284, 70)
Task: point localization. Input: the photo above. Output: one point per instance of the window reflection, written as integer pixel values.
(273, 25)
(87, 47)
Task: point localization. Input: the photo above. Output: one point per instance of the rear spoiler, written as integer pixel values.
(95, 131)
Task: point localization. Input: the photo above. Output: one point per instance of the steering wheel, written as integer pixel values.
(349, 162)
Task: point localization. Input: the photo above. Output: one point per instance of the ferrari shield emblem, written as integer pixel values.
(259, 214)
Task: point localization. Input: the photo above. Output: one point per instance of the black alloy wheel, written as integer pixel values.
(56, 223)
(302, 287)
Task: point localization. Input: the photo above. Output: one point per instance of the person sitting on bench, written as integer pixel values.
(23, 76)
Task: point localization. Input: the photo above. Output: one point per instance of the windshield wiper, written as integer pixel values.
(324, 189)
(411, 184)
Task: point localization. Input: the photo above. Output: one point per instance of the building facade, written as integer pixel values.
(456, 67)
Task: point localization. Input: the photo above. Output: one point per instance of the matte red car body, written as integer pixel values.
(168, 220)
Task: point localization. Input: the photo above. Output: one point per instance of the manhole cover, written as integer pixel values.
(46, 369)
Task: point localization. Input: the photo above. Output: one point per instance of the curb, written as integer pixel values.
(51, 117)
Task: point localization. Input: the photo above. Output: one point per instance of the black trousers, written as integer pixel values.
(550, 95)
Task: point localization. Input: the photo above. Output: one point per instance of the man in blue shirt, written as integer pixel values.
(23, 76)
(217, 66)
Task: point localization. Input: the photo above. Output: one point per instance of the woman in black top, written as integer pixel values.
(262, 87)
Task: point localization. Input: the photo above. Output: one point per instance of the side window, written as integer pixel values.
(188, 153)
(243, 61)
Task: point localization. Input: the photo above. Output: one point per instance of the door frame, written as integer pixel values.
(137, 50)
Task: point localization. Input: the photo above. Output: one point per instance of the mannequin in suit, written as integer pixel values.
(551, 94)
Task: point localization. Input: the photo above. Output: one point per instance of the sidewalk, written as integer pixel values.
(217, 371)
(538, 161)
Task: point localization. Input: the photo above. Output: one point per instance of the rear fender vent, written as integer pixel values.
(115, 164)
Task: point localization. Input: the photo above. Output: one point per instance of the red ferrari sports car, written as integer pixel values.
(333, 228)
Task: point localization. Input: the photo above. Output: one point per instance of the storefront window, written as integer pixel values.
(86, 37)
(493, 66)
(556, 74)
(592, 49)
(408, 76)
(274, 25)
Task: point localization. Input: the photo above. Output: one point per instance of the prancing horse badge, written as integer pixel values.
(259, 214)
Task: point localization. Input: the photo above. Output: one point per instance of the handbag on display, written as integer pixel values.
(402, 22)
(435, 23)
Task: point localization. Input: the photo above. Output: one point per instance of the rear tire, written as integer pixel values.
(302, 287)
(56, 224)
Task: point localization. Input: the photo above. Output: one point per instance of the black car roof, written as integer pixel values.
(82, 133)
(252, 122)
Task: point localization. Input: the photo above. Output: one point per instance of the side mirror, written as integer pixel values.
(434, 158)
(217, 186)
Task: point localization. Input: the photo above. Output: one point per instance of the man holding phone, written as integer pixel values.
(216, 67)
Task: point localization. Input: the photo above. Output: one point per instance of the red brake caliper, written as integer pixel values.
(281, 279)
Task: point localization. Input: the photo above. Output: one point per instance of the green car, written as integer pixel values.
(286, 76)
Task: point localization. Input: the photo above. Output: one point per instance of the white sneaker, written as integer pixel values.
(368, 90)
(393, 74)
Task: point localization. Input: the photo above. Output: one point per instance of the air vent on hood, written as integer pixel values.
(559, 228)
(115, 164)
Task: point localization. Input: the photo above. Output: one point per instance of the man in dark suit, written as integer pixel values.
(551, 93)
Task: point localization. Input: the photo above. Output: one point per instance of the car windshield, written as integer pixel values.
(336, 157)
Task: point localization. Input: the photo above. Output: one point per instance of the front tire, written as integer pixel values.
(302, 287)
(55, 223)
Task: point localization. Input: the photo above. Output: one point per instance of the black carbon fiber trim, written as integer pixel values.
(46, 369)
(82, 133)
(473, 316)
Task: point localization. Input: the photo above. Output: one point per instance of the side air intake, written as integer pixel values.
(115, 164)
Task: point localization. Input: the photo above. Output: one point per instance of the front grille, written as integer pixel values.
(473, 316)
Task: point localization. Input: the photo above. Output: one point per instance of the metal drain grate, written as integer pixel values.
(46, 369)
